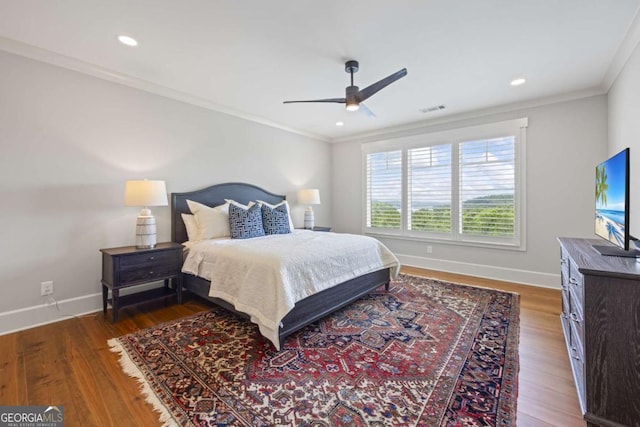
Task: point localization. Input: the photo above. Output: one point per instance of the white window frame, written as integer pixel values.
(516, 128)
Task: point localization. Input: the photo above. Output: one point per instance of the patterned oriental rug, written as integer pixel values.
(424, 353)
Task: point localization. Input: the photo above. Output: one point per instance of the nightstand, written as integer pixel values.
(321, 228)
(128, 266)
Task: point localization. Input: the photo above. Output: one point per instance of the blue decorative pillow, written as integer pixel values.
(275, 220)
(245, 223)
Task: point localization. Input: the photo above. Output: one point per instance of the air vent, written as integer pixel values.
(432, 109)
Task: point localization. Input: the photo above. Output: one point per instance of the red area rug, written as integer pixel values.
(424, 353)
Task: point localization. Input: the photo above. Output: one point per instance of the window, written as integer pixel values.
(487, 187)
(429, 192)
(384, 184)
(463, 185)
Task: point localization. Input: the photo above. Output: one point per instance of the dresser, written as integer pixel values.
(601, 323)
(128, 266)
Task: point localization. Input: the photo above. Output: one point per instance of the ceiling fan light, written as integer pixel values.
(352, 107)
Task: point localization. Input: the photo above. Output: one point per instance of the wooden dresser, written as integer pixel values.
(601, 322)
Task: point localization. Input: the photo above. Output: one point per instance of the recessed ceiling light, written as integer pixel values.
(129, 41)
(339, 123)
(518, 82)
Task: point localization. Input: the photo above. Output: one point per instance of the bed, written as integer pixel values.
(306, 310)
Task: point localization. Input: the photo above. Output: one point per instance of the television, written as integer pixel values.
(612, 206)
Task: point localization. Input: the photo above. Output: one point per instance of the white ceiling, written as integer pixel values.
(246, 57)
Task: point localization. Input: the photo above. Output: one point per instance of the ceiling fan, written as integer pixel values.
(354, 96)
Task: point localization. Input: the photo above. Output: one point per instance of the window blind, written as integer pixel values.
(384, 189)
(487, 187)
(429, 188)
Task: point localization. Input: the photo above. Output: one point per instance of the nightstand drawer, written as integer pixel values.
(147, 274)
(153, 258)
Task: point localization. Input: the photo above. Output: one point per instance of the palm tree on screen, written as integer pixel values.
(601, 185)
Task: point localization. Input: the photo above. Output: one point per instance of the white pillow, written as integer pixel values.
(284, 202)
(212, 222)
(191, 225)
(238, 204)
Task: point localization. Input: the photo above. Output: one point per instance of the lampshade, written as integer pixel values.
(145, 193)
(309, 196)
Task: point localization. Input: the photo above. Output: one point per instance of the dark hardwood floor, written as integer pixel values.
(69, 363)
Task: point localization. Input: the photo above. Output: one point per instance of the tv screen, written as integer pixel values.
(612, 200)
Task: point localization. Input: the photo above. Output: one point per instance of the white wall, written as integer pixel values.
(624, 128)
(68, 144)
(564, 143)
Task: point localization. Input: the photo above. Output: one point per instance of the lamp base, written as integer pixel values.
(308, 219)
(146, 232)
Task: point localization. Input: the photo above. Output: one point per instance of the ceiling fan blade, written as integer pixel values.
(336, 100)
(366, 111)
(372, 89)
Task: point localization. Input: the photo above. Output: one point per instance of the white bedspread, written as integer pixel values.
(265, 276)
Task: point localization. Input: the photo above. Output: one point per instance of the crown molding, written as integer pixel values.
(624, 52)
(53, 58)
(423, 126)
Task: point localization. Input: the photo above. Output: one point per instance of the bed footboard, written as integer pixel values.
(326, 302)
(309, 309)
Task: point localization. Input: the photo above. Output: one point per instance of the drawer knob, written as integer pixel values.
(573, 355)
(151, 272)
(575, 317)
(151, 258)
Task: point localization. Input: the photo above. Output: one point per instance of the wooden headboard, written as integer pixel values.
(214, 196)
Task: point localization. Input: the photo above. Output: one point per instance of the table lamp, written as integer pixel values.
(145, 193)
(309, 197)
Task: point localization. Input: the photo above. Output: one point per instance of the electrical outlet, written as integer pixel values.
(429, 249)
(46, 288)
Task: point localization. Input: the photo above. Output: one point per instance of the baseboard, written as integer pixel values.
(50, 312)
(526, 277)
(55, 311)
(29, 317)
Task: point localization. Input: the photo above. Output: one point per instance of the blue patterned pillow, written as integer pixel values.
(275, 220)
(245, 223)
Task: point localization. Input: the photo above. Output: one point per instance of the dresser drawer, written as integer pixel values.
(576, 316)
(153, 258)
(577, 334)
(575, 302)
(147, 273)
(564, 266)
(566, 303)
(566, 328)
(576, 285)
(578, 368)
